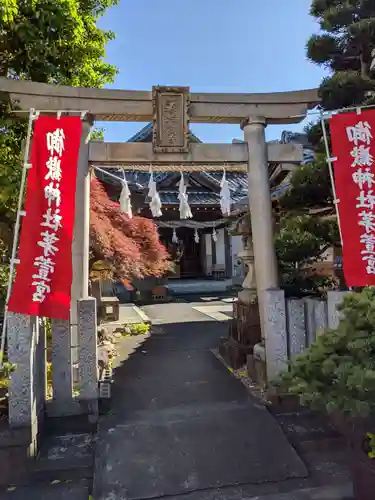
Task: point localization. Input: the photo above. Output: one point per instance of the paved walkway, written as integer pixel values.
(181, 424)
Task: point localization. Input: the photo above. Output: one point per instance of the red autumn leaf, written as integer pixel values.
(132, 246)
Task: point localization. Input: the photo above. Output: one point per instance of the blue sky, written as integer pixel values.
(211, 46)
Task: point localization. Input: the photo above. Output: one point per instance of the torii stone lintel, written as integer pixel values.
(137, 106)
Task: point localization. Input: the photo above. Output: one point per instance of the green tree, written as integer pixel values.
(55, 41)
(49, 41)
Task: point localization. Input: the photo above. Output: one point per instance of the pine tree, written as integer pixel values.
(344, 47)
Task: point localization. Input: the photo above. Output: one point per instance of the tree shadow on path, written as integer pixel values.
(180, 422)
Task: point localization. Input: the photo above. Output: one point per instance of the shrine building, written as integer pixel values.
(213, 254)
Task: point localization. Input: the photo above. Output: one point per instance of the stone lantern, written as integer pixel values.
(245, 329)
(248, 294)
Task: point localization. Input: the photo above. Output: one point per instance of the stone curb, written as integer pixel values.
(136, 316)
(142, 315)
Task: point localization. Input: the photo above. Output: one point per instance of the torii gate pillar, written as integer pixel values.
(266, 269)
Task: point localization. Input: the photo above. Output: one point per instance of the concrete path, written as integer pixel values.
(181, 423)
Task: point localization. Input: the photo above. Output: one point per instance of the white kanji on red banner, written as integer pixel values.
(52, 219)
(361, 136)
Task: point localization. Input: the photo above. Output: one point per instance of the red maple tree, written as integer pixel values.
(130, 247)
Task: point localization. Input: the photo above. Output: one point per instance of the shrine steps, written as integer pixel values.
(65, 456)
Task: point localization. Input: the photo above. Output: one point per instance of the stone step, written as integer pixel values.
(66, 457)
(47, 491)
(198, 286)
(333, 492)
(47, 473)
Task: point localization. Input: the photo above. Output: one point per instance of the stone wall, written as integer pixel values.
(291, 325)
(27, 350)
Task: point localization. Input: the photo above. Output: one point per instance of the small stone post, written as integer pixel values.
(88, 355)
(62, 380)
(334, 299)
(275, 332)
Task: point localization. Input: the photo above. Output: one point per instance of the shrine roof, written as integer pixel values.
(207, 182)
(169, 193)
(237, 181)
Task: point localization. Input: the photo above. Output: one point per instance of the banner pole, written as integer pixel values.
(26, 165)
(330, 169)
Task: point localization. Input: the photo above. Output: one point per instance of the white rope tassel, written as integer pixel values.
(125, 202)
(155, 203)
(214, 235)
(196, 236)
(174, 236)
(185, 212)
(225, 200)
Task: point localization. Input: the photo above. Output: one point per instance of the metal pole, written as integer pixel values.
(86, 130)
(330, 169)
(26, 165)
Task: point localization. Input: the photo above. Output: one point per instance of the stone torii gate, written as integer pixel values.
(171, 109)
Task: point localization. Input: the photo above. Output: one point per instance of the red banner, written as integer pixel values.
(44, 274)
(353, 151)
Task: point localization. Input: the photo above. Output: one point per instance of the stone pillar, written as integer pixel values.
(88, 355)
(266, 269)
(62, 381)
(80, 248)
(334, 299)
(275, 332)
(296, 327)
(316, 318)
(26, 350)
(21, 345)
